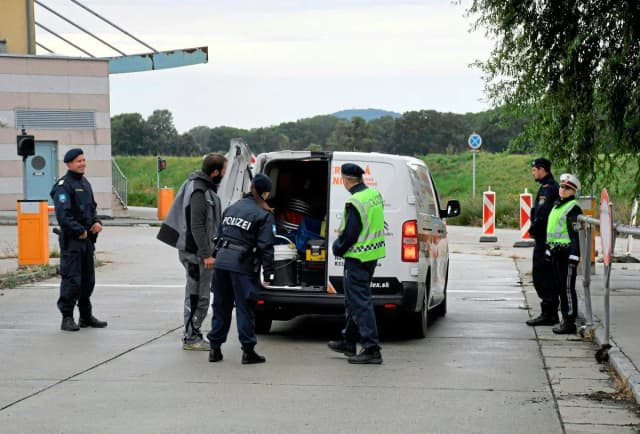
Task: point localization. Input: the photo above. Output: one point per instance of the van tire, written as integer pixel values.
(263, 323)
(420, 319)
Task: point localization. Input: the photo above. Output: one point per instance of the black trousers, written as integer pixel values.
(77, 270)
(543, 280)
(564, 280)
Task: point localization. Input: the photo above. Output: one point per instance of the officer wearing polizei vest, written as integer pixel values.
(76, 213)
(541, 269)
(246, 237)
(564, 251)
(361, 243)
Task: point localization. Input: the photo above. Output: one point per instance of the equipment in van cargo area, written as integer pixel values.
(285, 265)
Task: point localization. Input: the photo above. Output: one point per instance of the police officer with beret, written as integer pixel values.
(79, 228)
(245, 241)
(541, 270)
(361, 243)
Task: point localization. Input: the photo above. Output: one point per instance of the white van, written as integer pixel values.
(308, 200)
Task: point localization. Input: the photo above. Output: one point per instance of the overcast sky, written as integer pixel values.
(273, 61)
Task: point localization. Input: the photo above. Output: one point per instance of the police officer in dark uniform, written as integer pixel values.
(541, 271)
(79, 229)
(361, 245)
(245, 240)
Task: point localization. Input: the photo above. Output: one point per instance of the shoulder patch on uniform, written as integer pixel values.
(273, 229)
(62, 198)
(61, 182)
(542, 200)
(545, 185)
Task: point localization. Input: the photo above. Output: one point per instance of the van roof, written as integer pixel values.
(375, 156)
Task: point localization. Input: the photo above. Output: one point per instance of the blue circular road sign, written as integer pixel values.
(475, 141)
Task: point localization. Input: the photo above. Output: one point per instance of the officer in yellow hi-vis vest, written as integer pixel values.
(361, 243)
(564, 251)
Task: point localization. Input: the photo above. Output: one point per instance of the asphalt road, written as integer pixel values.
(480, 370)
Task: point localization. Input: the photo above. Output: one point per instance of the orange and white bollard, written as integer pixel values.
(525, 221)
(488, 217)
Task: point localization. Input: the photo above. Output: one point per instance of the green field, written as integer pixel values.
(506, 174)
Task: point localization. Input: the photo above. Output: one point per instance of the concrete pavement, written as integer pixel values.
(569, 364)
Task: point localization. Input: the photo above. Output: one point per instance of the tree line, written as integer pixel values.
(414, 133)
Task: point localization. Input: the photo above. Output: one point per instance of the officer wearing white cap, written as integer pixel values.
(361, 243)
(246, 238)
(564, 251)
(76, 213)
(541, 269)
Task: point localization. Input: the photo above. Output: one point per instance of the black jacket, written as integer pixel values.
(76, 208)
(547, 195)
(250, 231)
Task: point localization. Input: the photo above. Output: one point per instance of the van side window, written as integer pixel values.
(425, 196)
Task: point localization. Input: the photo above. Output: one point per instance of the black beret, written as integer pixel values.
(261, 183)
(350, 169)
(72, 154)
(542, 162)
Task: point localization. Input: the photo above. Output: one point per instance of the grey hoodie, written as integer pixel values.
(177, 229)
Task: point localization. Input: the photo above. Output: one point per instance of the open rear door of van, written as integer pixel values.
(237, 179)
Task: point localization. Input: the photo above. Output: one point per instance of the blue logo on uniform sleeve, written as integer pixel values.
(273, 228)
(62, 198)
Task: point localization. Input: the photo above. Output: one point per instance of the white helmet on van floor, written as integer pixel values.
(570, 180)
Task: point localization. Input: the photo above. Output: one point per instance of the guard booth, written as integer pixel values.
(33, 232)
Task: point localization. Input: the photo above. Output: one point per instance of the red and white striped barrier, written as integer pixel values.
(488, 216)
(525, 220)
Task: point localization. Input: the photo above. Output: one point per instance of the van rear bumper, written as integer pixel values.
(287, 304)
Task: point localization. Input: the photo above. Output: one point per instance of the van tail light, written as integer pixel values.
(410, 247)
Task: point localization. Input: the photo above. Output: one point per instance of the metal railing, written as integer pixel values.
(119, 183)
(586, 241)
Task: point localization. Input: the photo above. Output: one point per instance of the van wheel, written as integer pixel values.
(263, 323)
(420, 319)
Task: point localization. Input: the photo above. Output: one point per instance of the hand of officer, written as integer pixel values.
(83, 236)
(95, 228)
(265, 283)
(547, 256)
(573, 261)
(208, 262)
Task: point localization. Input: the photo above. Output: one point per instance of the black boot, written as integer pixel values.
(92, 321)
(369, 356)
(250, 357)
(543, 319)
(215, 355)
(565, 328)
(344, 347)
(68, 324)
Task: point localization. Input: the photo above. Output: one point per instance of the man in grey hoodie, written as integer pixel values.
(191, 226)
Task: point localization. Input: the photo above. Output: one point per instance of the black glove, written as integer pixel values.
(573, 261)
(547, 256)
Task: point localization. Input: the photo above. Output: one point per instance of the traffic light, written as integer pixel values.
(26, 144)
(162, 164)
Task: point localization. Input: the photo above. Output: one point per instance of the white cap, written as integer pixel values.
(570, 180)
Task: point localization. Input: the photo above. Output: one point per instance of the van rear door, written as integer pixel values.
(237, 179)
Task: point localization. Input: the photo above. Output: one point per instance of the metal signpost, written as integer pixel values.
(606, 238)
(474, 141)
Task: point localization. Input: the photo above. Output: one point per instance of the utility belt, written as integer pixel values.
(554, 247)
(65, 240)
(245, 252)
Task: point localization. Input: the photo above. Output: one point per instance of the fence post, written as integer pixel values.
(586, 238)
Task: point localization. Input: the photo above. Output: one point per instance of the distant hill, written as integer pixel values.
(366, 114)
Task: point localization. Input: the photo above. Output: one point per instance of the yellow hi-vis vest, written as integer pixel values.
(557, 232)
(370, 244)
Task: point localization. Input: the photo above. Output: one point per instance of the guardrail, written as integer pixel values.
(119, 183)
(586, 241)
